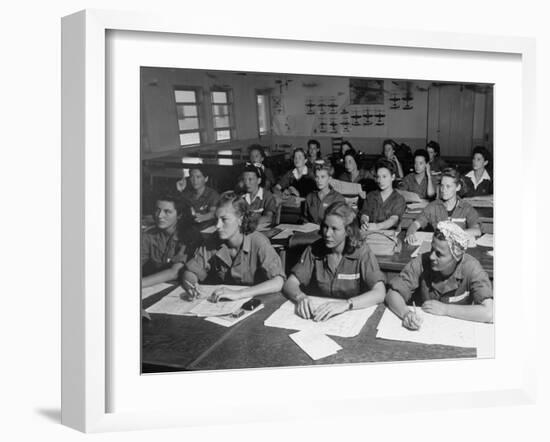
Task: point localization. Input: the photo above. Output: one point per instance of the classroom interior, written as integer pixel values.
(283, 111)
(211, 118)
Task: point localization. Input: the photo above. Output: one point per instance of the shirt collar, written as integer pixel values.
(451, 282)
(259, 195)
(303, 171)
(472, 176)
(223, 251)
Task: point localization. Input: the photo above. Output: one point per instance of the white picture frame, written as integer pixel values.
(87, 178)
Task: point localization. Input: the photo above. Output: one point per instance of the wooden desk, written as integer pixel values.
(195, 344)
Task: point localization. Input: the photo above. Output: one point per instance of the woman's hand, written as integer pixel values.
(364, 221)
(224, 293)
(428, 169)
(435, 307)
(304, 307)
(181, 184)
(410, 239)
(293, 191)
(330, 309)
(412, 320)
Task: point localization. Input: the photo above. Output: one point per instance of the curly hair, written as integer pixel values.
(257, 147)
(317, 145)
(240, 206)
(382, 163)
(422, 153)
(341, 209)
(483, 152)
(173, 198)
(454, 174)
(435, 146)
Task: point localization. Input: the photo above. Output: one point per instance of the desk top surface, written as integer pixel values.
(196, 344)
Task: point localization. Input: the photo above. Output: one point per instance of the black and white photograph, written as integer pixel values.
(291, 220)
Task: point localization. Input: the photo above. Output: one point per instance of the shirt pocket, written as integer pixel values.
(347, 285)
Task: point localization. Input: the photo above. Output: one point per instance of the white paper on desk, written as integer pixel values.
(304, 228)
(426, 246)
(211, 229)
(422, 237)
(410, 197)
(435, 329)
(345, 187)
(486, 240)
(315, 344)
(345, 325)
(172, 304)
(480, 201)
(283, 234)
(228, 321)
(418, 205)
(150, 291)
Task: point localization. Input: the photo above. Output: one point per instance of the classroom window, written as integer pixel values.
(221, 115)
(262, 103)
(189, 124)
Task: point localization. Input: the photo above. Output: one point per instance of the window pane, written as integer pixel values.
(185, 97)
(262, 114)
(188, 123)
(223, 135)
(219, 97)
(186, 111)
(190, 138)
(221, 121)
(220, 109)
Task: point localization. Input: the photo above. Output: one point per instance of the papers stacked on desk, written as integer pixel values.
(441, 330)
(288, 230)
(345, 325)
(345, 187)
(480, 201)
(410, 197)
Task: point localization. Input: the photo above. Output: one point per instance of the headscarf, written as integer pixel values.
(455, 237)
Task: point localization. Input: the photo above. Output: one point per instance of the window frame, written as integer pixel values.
(213, 116)
(199, 103)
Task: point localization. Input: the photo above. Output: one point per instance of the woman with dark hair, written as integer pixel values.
(340, 265)
(448, 207)
(437, 164)
(298, 181)
(388, 152)
(383, 208)
(256, 156)
(239, 255)
(163, 249)
(420, 181)
(353, 172)
(261, 203)
(313, 153)
(478, 182)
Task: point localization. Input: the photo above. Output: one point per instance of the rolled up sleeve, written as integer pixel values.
(200, 263)
(409, 279)
(305, 267)
(370, 270)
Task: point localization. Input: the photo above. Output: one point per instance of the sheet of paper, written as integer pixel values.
(316, 345)
(172, 304)
(345, 325)
(480, 201)
(410, 197)
(426, 246)
(150, 291)
(228, 321)
(211, 229)
(283, 234)
(206, 308)
(486, 240)
(304, 228)
(435, 329)
(418, 205)
(345, 187)
(422, 237)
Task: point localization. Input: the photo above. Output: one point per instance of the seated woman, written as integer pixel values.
(420, 181)
(388, 152)
(437, 164)
(324, 196)
(238, 255)
(199, 200)
(383, 208)
(261, 203)
(256, 155)
(449, 207)
(298, 181)
(340, 265)
(450, 282)
(163, 251)
(354, 174)
(313, 154)
(477, 182)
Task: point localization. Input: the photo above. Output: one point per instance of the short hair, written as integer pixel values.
(352, 153)
(322, 166)
(257, 147)
(200, 168)
(341, 209)
(434, 145)
(298, 149)
(253, 169)
(314, 142)
(240, 206)
(483, 152)
(422, 153)
(384, 164)
(389, 141)
(173, 198)
(346, 143)
(453, 173)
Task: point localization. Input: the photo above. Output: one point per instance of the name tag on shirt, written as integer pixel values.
(458, 298)
(348, 276)
(325, 205)
(458, 220)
